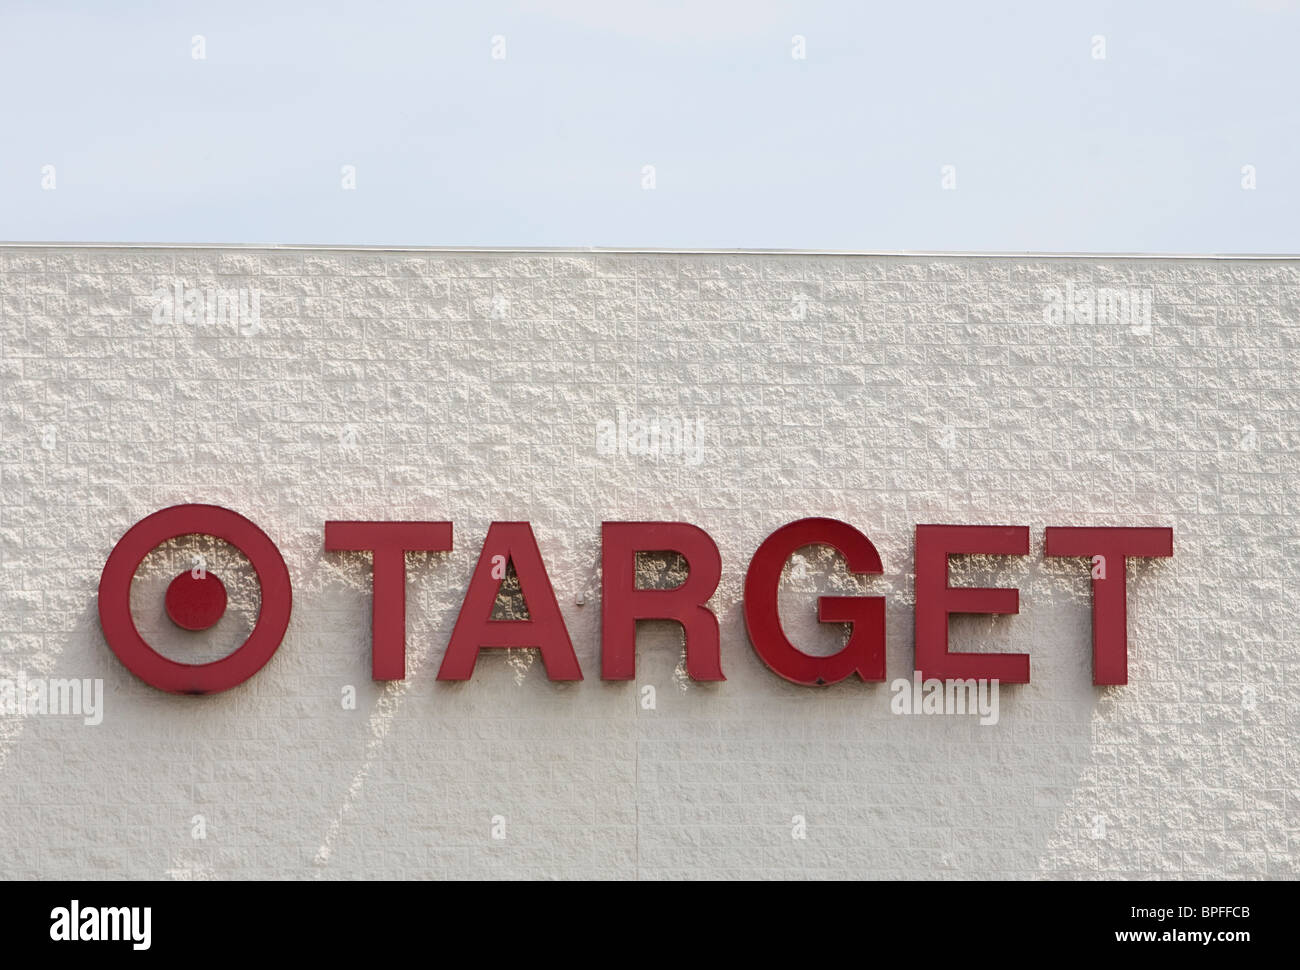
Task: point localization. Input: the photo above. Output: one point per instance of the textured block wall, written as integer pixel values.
(472, 387)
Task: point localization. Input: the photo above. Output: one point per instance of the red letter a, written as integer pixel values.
(511, 542)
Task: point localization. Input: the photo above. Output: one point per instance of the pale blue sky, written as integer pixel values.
(1054, 150)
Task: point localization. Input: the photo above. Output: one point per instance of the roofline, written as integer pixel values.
(633, 250)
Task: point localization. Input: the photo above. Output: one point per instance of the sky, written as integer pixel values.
(1049, 126)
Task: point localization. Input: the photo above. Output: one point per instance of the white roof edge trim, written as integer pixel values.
(634, 251)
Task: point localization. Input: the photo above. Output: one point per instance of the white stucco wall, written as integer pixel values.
(885, 391)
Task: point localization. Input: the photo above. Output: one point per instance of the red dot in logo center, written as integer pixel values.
(195, 603)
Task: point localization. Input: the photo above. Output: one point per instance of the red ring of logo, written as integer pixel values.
(115, 599)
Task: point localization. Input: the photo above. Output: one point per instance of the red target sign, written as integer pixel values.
(196, 601)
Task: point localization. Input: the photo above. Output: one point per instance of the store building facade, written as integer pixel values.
(533, 400)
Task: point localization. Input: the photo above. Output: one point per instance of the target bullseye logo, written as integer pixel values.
(194, 601)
